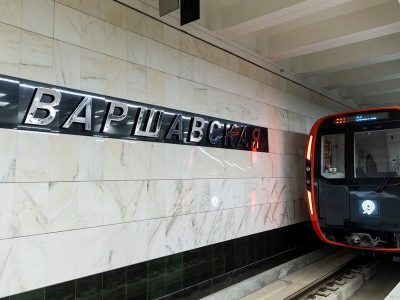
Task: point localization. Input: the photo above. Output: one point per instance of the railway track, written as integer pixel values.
(330, 284)
(337, 276)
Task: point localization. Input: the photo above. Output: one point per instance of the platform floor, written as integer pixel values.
(379, 286)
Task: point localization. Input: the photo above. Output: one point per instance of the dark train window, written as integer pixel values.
(333, 154)
(376, 153)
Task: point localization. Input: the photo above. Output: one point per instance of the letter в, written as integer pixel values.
(197, 127)
(36, 104)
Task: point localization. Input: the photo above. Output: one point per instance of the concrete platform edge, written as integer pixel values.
(254, 283)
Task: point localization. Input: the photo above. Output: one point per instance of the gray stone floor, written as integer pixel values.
(379, 286)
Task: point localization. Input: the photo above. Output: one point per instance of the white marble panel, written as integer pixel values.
(217, 226)
(139, 194)
(38, 16)
(36, 57)
(116, 13)
(203, 198)
(193, 97)
(61, 256)
(23, 264)
(93, 251)
(86, 163)
(136, 22)
(200, 70)
(30, 209)
(156, 238)
(91, 204)
(281, 213)
(137, 82)
(226, 193)
(32, 156)
(163, 90)
(254, 219)
(162, 57)
(280, 189)
(186, 66)
(93, 71)
(75, 4)
(11, 12)
(116, 244)
(116, 77)
(156, 199)
(96, 8)
(209, 162)
(115, 201)
(146, 160)
(181, 162)
(8, 155)
(5, 263)
(137, 242)
(93, 32)
(63, 206)
(296, 122)
(137, 48)
(64, 165)
(287, 165)
(191, 231)
(139, 160)
(253, 192)
(261, 164)
(10, 50)
(115, 159)
(98, 158)
(116, 41)
(182, 233)
(67, 24)
(67, 65)
(162, 33)
(6, 212)
(238, 164)
(179, 196)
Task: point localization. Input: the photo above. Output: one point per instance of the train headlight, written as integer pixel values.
(310, 202)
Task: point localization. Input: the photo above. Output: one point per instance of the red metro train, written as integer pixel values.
(353, 179)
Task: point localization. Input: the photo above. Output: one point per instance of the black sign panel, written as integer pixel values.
(30, 105)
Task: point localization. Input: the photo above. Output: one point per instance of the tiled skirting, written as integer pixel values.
(191, 274)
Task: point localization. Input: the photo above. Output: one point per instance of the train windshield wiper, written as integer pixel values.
(386, 180)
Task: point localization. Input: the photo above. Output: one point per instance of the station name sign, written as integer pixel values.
(29, 105)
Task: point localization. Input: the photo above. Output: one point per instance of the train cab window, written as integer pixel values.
(333, 154)
(376, 153)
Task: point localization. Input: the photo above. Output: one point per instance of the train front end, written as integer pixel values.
(353, 179)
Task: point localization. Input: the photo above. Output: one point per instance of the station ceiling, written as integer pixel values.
(349, 49)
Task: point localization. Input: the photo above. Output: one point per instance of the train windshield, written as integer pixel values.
(333, 154)
(376, 153)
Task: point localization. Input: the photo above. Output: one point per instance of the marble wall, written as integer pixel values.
(73, 206)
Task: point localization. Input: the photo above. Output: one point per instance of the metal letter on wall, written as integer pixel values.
(176, 128)
(112, 117)
(196, 132)
(214, 125)
(149, 130)
(86, 104)
(49, 107)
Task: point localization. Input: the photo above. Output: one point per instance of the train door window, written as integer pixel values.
(376, 153)
(333, 154)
